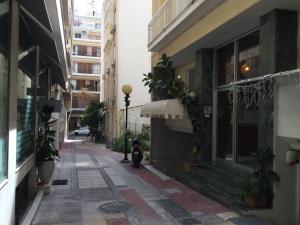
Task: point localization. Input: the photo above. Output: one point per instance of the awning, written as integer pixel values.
(41, 24)
(168, 109)
(4, 28)
(39, 10)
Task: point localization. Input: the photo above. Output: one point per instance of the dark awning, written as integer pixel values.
(57, 76)
(40, 37)
(39, 10)
(33, 33)
(27, 64)
(40, 26)
(4, 30)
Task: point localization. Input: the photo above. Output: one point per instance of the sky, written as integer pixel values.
(85, 5)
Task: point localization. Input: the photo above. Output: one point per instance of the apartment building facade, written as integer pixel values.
(125, 59)
(86, 63)
(33, 73)
(227, 51)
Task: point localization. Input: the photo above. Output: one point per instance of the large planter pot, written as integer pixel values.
(255, 202)
(46, 171)
(190, 166)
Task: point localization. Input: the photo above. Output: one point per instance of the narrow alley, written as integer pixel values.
(94, 188)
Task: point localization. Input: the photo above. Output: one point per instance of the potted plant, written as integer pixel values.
(194, 163)
(257, 188)
(45, 149)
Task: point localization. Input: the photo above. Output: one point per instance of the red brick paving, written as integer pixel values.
(117, 221)
(141, 207)
(187, 198)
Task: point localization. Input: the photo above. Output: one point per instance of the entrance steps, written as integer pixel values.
(218, 182)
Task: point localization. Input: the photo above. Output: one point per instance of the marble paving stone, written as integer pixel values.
(84, 160)
(227, 215)
(210, 219)
(173, 208)
(248, 221)
(65, 213)
(190, 221)
(226, 223)
(94, 222)
(172, 190)
(113, 215)
(91, 211)
(197, 214)
(118, 181)
(72, 223)
(117, 221)
(90, 179)
(99, 194)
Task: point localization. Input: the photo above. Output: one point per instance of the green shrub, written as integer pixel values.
(119, 145)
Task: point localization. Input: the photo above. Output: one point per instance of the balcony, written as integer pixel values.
(86, 51)
(85, 86)
(81, 101)
(173, 18)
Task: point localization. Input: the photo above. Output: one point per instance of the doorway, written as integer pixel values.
(243, 120)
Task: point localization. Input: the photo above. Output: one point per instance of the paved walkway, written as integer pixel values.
(102, 191)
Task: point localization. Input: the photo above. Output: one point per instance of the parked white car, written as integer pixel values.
(81, 131)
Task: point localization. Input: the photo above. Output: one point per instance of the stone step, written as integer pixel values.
(213, 192)
(218, 182)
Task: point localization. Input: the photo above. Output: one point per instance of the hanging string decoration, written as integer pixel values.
(261, 89)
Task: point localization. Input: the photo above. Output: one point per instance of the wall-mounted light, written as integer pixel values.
(245, 68)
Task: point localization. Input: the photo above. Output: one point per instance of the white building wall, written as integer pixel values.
(133, 58)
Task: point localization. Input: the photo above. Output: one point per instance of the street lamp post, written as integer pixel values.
(127, 89)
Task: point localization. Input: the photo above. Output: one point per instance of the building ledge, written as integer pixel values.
(82, 58)
(165, 26)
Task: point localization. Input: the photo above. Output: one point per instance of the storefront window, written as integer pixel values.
(225, 124)
(25, 131)
(225, 62)
(4, 46)
(244, 118)
(248, 56)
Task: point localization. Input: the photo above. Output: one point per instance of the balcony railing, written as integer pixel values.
(87, 26)
(84, 53)
(87, 71)
(89, 14)
(167, 14)
(88, 37)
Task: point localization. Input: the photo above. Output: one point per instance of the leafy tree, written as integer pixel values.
(94, 115)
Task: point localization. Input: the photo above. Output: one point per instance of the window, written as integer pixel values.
(248, 56)
(4, 46)
(25, 129)
(77, 35)
(242, 128)
(225, 62)
(97, 25)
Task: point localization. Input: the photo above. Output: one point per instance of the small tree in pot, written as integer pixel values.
(45, 148)
(257, 188)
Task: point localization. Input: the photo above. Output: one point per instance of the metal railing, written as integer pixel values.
(168, 12)
(87, 26)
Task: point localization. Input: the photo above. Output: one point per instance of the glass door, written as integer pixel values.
(224, 127)
(243, 119)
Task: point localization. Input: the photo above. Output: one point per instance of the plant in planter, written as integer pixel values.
(194, 163)
(257, 188)
(45, 149)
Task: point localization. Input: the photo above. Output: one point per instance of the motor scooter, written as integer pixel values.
(136, 153)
